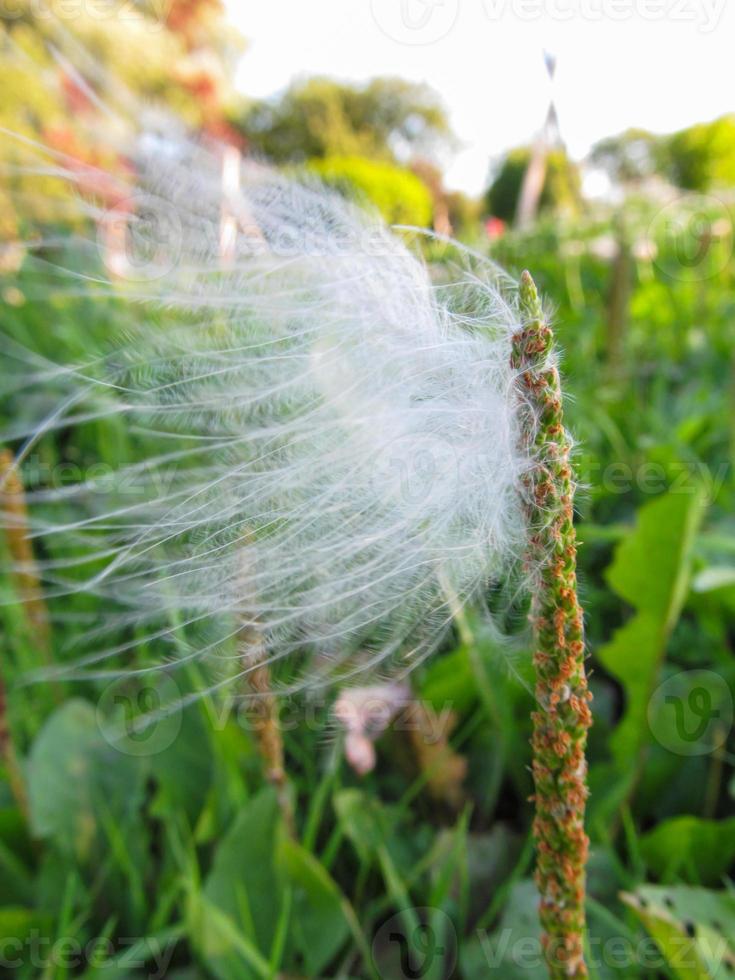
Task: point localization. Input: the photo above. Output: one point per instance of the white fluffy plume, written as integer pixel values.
(328, 445)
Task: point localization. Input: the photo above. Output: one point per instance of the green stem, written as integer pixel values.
(562, 715)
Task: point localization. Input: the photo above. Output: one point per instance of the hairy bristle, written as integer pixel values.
(325, 438)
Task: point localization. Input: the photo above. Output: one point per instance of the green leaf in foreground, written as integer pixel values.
(651, 570)
(319, 922)
(268, 903)
(693, 928)
(699, 849)
(76, 778)
(239, 916)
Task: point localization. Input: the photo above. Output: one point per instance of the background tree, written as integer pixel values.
(703, 156)
(373, 141)
(696, 158)
(400, 196)
(387, 119)
(561, 189)
(629, 157)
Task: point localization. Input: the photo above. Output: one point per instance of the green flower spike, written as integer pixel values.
(562, 716)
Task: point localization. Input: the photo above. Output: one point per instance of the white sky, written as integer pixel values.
(658, 64)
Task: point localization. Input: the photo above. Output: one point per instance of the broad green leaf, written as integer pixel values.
(183, 770)
(75, 777)
(651, 567)
(319, 924)
(651, 570)
(633, 656)
(243, 891)
(689, 846)
(679, 950)
(693, 928)
(222, 944)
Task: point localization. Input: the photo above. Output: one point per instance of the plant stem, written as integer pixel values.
(263, 713)
(15, 523)
(618, 303)
(15, 518)
(261, 701)
(562, 716)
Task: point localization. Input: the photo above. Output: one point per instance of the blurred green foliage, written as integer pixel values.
(628, 157)
(387, 119)
(698, 158)
(561, 188)
(361, 139)
(400, 196)
(703, 156)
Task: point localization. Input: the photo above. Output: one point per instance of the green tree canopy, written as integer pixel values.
(399, 195)
(561, 184)
(703, 156)
(387, 119)
(628, 157)
(695, 158)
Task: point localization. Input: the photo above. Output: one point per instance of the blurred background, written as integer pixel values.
(591, 141)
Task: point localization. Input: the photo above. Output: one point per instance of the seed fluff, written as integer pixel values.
(324, 429)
